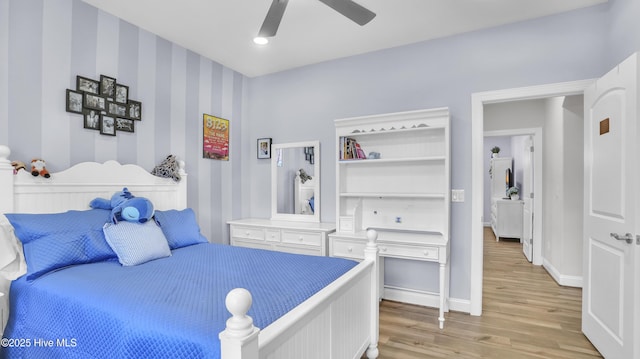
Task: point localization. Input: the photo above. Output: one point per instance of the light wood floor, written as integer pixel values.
(525, 315)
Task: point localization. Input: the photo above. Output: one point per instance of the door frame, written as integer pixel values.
(537, 182)
(478, 100)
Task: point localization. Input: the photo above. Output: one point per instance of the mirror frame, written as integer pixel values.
(274, 182)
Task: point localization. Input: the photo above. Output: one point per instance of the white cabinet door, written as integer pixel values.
(611, 267)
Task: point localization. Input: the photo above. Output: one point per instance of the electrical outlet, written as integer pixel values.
(457, 195)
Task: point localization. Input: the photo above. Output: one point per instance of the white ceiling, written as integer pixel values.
(311, 32)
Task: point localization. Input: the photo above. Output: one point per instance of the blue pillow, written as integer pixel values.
(55, 240)
(180, 227)
(136, 243)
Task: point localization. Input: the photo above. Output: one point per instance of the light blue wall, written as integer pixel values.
(301, 104)
(45, 44)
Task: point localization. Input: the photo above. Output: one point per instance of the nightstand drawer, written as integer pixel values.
(272, 235)
(306, 238)
(419, 253)
(248, 233)
(347, 248)
(248, 243)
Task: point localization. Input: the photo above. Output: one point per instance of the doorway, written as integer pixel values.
(532, 244)
(478, 101)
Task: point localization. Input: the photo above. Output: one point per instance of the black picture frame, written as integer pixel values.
(85, 84)
(91, 119)
(95, 102)
(264, 148)
(134, 110)
(107, 125)
(125, 125)
(75, 100)
(116, 109)
(122, 93)
(107, 86)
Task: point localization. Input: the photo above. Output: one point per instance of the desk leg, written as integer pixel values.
(442, 294)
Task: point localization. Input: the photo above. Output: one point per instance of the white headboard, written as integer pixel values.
(76, 186)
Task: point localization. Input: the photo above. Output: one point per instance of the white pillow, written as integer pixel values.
(136, 243)
(12, 262)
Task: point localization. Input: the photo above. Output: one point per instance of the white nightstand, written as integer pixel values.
(284, 236)
(506, 218)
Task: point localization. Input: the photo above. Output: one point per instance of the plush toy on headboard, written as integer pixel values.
(38, 167)
(17, 166)
(125, 206)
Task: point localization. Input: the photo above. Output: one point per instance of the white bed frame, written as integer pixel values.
(339, 322)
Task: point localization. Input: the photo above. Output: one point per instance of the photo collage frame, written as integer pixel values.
(104, 104)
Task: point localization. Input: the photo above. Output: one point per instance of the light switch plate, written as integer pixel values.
(457, 195)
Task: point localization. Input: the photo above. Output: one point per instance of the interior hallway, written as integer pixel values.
(525, 315)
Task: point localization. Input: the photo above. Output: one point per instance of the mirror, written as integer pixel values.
(295, 181)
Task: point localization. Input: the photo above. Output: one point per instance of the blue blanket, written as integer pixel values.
(167, 308)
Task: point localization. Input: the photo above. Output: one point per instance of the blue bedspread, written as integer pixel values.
(167, 308)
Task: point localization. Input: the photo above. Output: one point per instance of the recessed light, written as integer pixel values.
(260, 40)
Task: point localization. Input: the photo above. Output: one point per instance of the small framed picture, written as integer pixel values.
(74, 101)
(122, 93)
(264, 147)
(87, 85)
(116, 109)
(107, 125)
(107, 86)
(92, 119)
(134, 110)
(124, 124)
(95, 102)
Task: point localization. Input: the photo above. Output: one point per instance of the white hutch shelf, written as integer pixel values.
(403, 194)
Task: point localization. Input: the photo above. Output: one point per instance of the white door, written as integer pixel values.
(527, 198)
(610, 297)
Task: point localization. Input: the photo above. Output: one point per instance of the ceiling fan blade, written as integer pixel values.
(273, 18)
(350, 9)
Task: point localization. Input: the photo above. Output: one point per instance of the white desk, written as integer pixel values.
(413, 245)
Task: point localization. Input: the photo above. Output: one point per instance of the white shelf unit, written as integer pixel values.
(408, 187)
(404, 194)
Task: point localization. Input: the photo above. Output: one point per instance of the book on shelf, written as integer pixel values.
(350, 149)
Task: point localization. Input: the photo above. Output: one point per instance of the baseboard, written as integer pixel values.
(428, 299)
(561, 279)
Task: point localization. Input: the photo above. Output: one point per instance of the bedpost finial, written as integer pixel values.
(372, 235)
(371, 249)
(238, 302)
(4, 153)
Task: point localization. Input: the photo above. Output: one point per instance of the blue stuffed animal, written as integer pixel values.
(125, 206)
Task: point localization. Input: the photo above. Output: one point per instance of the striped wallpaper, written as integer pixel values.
(44, 45)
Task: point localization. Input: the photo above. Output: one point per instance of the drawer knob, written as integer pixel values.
(384, 249)
(301, 238)
(350, 249)
(247, 233)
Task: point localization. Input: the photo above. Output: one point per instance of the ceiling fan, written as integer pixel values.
(357, 13)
